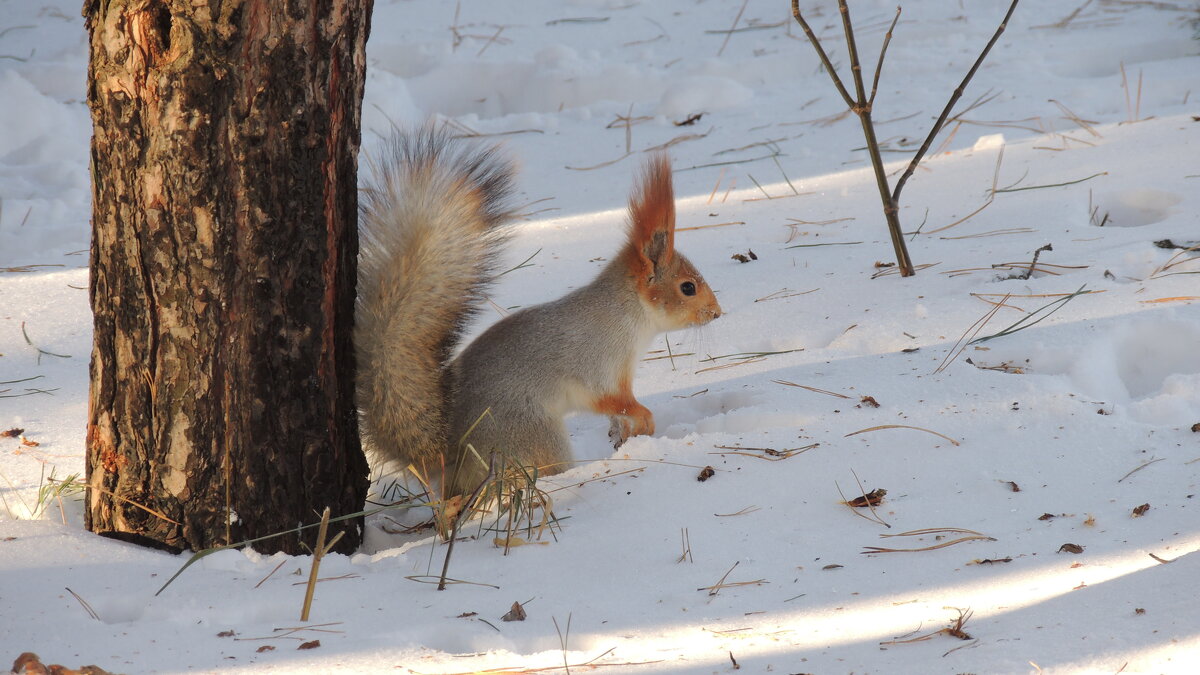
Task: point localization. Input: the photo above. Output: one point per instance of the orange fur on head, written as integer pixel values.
(652, 217)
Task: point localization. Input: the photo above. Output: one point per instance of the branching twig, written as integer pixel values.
(861, 105)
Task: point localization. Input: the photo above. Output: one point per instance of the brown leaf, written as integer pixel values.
(834, 566)
(265, 648)
(467, 615)
(1139, 610)
(868, 401)
(14, 432)
(706, 473)
(312, 644)
(1139, 511)
(1012, 485)
(1070, 548)
(1047, 516)
(515, 613)
(226, 633)
(1196, 428)
(451, 507)
(28, 443)
(872, 498)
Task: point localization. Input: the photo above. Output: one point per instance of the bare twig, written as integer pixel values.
(461, 516)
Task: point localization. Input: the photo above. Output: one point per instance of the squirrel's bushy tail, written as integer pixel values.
(430, 234)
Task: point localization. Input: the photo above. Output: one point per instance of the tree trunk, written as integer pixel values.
(223, 267)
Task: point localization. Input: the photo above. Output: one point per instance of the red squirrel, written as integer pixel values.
(433, 226)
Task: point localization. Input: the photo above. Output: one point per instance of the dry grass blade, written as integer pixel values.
(1180, 258)
(889, 271)
(1029, 321)
(1086, 125)
(901, 426)
(318, 552)
(991, 196)
(686, 542)
(459, 519)
(1062, 23)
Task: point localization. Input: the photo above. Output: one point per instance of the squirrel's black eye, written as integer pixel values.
(687, 288)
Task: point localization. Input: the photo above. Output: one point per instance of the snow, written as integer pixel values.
(1066, 410)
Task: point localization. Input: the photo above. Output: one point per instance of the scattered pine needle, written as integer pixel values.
(1140, 467)
(769, 454)
(993, 233)
(1178, 298)
(874, 517)
(901, 426)
(955, 629)
(716, 588)
(521, 670)
(812, 389)
(433, 579)
(784, 293)
(84, 603)
(749, 355)
(705, 227)
(1052, 185)
(933, 530)
(264, 579)
(748, 509)
(832, 243)
(871, 550)
(729, 365)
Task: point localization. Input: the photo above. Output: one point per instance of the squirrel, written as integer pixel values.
(433, 222)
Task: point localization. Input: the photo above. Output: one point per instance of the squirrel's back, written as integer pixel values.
(430, 226)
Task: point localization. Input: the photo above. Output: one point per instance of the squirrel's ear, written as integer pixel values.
(652, 215)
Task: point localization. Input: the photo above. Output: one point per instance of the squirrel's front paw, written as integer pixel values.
(618, 431)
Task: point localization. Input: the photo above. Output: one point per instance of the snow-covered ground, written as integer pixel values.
(1088, 413)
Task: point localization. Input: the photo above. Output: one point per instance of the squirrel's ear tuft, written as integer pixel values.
(652, 212)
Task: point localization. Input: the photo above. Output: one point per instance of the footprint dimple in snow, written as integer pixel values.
(1147, 355)
(1104, 60)
(1134, 207)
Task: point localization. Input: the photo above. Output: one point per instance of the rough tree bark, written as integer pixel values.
(224, 242)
